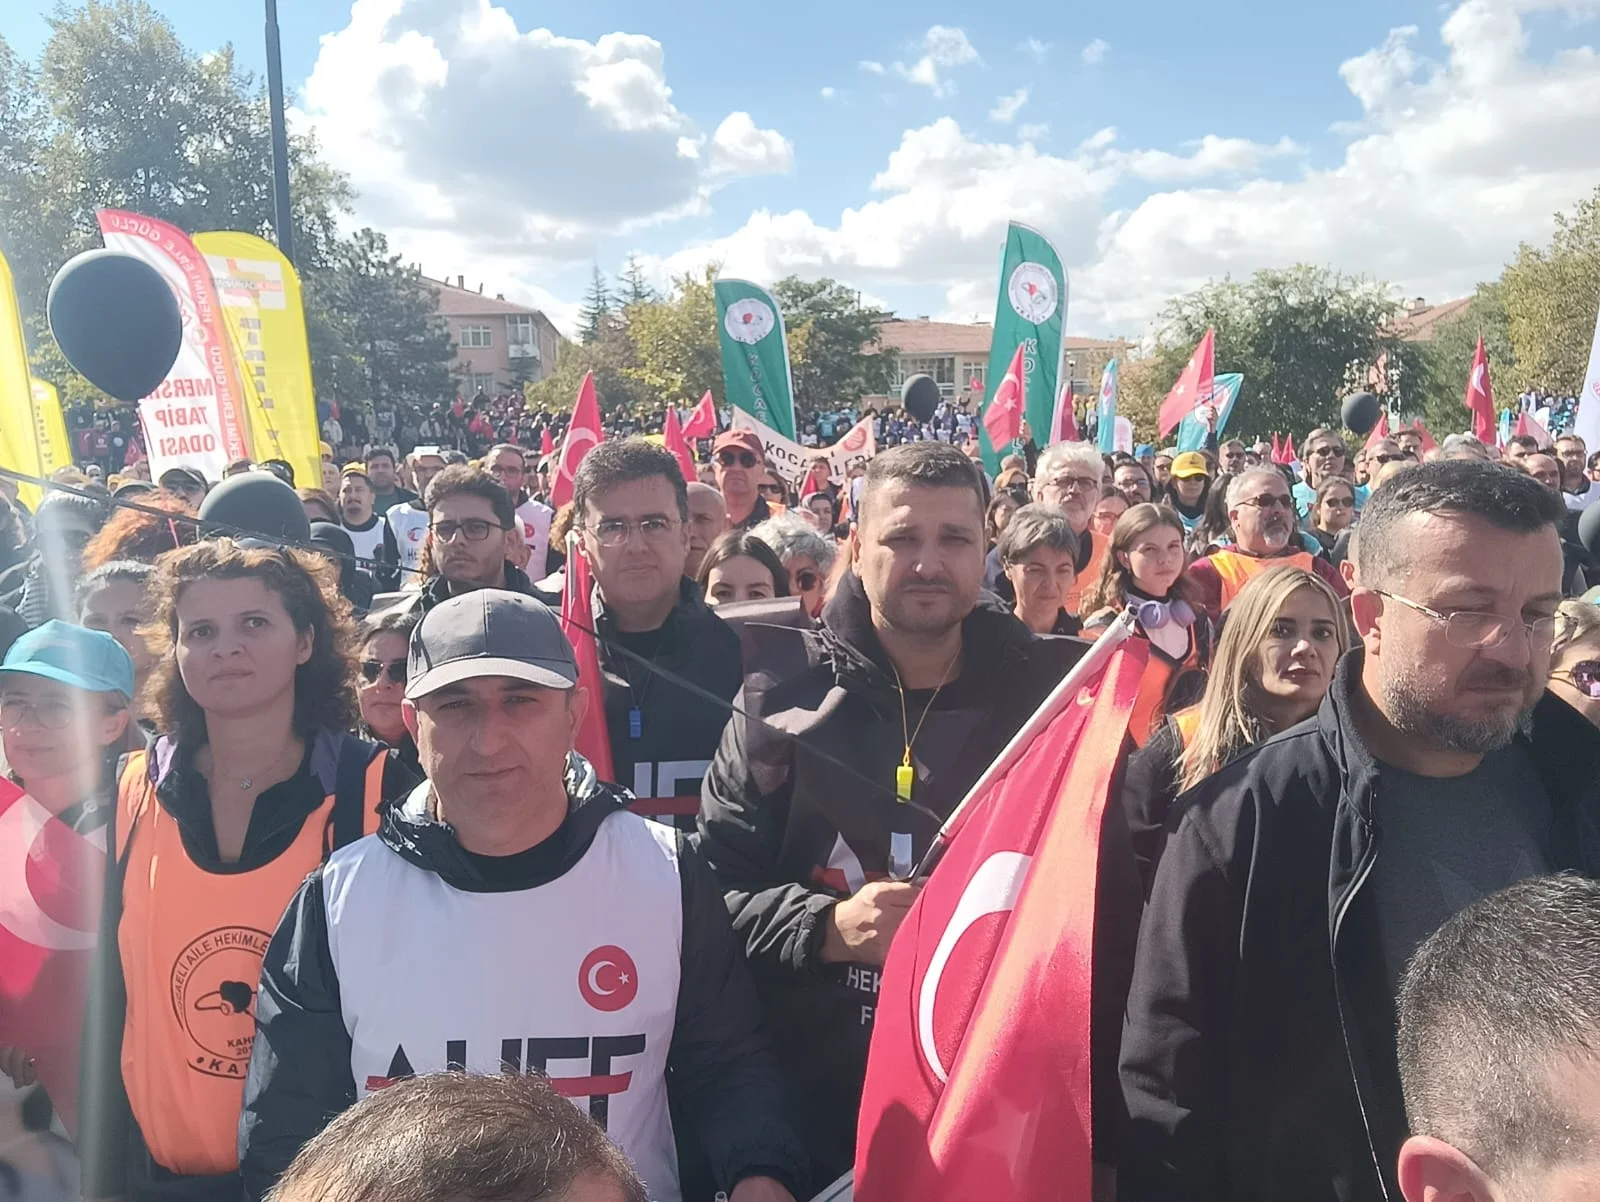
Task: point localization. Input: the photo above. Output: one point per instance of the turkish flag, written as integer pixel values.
(1290, 455)
(547, 443)
(1379, 432)
(1194, 386)
(1480, 397)
(1277, 448)
(672, 437)
(583, 432)
(1428, 444)
(1064, 422)
(1003, 418)
(977, 1079)
(593, 741)
(1531, 427)
(702, 421)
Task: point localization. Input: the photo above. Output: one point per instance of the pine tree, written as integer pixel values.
(635, 288)
(598, 305)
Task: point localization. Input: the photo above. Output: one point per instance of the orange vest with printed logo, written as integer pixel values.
(1235, 569)
(191, 943)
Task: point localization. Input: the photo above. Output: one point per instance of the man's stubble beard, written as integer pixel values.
(1410, 711)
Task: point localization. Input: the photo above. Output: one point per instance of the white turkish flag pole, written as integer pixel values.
(1587, 423)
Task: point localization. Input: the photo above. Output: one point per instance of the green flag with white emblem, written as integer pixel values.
(1030, 312)
(755, 357)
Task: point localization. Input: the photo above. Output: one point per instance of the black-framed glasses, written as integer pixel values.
(51, 713)
(1585, 677)
(729, 457)
(1340, 502)
(613, 532)
(475, 529)
(1471, 629)
(1270, 501)
(1073, 483)
(371, 669)
(1330, 449)
(1382, 459)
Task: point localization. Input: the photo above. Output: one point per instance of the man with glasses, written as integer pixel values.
(662, 650)
(1262, 514)
(1324, 455)
(1577, 489)
(1232, 453)
(1258, 1059)
(472, 537)
(1578, 566)
(1068, 476)
(533, 518)
(184, 484)
(741, 462)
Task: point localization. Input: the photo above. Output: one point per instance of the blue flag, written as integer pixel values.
(1106, 410)
(1225, 391)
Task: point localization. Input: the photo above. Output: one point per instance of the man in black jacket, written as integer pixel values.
(632, 509)
(530, 923)
(1259, 1055)
(800, 817)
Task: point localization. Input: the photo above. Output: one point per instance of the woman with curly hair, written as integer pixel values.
(252, 783)
(141, 533)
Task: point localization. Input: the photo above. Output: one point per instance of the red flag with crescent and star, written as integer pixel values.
(1480, 397)
(583, 433)
(977, 1080)
(702, 421)
(672, 438)
(593, 741)
(1003, 418)
(1194, 386)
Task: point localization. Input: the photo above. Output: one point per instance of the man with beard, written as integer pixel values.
(1069, 476)
(1577, 489)
(472, 536)
(1262, 512)
(1258, 1059)
(505, 463)
(386, 490)
(908, 690)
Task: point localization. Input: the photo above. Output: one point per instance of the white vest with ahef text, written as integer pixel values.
(576, 979)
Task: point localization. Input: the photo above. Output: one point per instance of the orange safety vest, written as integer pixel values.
(191, 943)
(1235, 568)
(1160, 677)
(1087, 578)
(1187, 722)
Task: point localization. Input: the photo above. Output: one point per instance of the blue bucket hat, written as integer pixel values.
(85, 659)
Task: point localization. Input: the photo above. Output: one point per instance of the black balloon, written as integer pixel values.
(117, 321)
(920, 396)
(1361, 411)
(257, 503)
(1589, 529)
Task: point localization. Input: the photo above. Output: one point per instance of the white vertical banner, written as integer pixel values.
(1587, 422)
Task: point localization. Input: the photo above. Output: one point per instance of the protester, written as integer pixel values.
(115, 598)
(1107, 510)
(1233, 457)
(1161, 470)
(1578, 491)
(1069, 478)
(237, 468)
(472, 534)
(1144, 568)
(1300, 879)
(386, 490)
(1410, 443)
(462, 1137)
(357, 516)
(1463, 446)
(513, 837)
(708, 519)
(1498, 1023)
(216, 826)
(662, 650)
(1519, 447)
(1325, 456)
(1039, 552)
(909, 685)
(41, 586)
(1001, 508)
(184, 484)
(1187, 490)
(504, 463)
(1546, 469)
(1272, 665)
(807, 557)
(1333, 511)
(385, 641)
(407, 522)
(1131, 480)
(1261, 515)
(157, 526)
(819, 509)
(319, 505)
(1575, 657)
(1214, 531)
(774, 490)
(64, 694)
(741, 463)
(740, 567)
(355, 583)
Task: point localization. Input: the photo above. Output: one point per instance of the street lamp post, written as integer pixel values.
(283, 224)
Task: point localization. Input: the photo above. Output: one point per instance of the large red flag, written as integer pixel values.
(1277, 448)
(1379, 432)
(1428, 443)
(1194, 386)
(1480, 397)
(1003, 418)
(672, 438)
(1531, 427)
(577, 623)
(1064, 422)
(977, 1079)
(1290, 455)
(702, 421)
(547, 443)
(584, 432)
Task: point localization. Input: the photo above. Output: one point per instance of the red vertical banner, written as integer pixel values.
(577, 623)
(583, 433)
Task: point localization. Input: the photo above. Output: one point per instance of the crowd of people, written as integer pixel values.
(315, 858)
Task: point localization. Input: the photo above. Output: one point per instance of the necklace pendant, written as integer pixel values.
(246, 783)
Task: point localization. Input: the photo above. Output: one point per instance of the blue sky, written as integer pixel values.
(1159, 144)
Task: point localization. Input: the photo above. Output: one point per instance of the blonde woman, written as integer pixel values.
(1575, 657)
(1271, 668)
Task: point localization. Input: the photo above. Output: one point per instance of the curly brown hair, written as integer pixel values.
(308, 585)
(135, 534)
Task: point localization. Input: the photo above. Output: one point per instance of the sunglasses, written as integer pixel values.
(371, 669)
(742, 458)
(1340, 502)
(1267, 502)
(1389, 458)
(1585, 677)
(770, 490)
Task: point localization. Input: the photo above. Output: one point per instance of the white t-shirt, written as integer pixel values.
(534, 518)
(410, 526)
(1578, 502)
(369, 541)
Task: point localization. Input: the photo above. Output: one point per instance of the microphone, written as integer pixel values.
(1360, 412)
(117, 322)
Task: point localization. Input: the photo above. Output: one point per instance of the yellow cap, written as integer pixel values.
(1188, 464)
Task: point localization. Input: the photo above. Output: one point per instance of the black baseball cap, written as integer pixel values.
(182, 477)
(489, 632)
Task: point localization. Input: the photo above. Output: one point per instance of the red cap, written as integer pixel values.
(748, 440)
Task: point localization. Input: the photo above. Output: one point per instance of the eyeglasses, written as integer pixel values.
(371, 669)
(1585, 677)
(1073, 483)
(742, 458)
(1340, 502)
(1380, 459)
(1472, 630)
(476, 530)
(614, 532)
(770, 490)
(806, 581)
(1269, 502)
(1331, 449)
(52, 713)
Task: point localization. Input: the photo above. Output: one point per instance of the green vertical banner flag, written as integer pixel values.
(1031, 312)
(755, 356)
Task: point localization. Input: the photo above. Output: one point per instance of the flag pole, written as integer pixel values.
(1057, 700)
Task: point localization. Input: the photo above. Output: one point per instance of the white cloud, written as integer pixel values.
(828, 93)
(943, 47)
(739, 148)
(1036, 48)
(871, 67)
(1032, 133)
(1211, 155)
(1006, 107)
(1095, 52)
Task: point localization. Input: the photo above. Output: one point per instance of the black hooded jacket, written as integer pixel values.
(797, 813)
(1259, 1061)
(720, 1079)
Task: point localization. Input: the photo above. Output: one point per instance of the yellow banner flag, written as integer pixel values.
(51, 425)
(20, 448)
(266, 323)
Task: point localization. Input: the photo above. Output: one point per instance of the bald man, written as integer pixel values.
(708, 518)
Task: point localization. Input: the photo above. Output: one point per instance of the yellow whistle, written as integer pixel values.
(903, 776)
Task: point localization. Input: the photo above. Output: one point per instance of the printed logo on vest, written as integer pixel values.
(214, 997)
(608, 979)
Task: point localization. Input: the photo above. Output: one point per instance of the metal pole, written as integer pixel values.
(283, 224)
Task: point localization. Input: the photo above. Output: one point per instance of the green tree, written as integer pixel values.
(633, 287)
(830, 333)
(675, 342)
(1551, 296)
(598, 310)
(611, 357)
(1438, 387)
